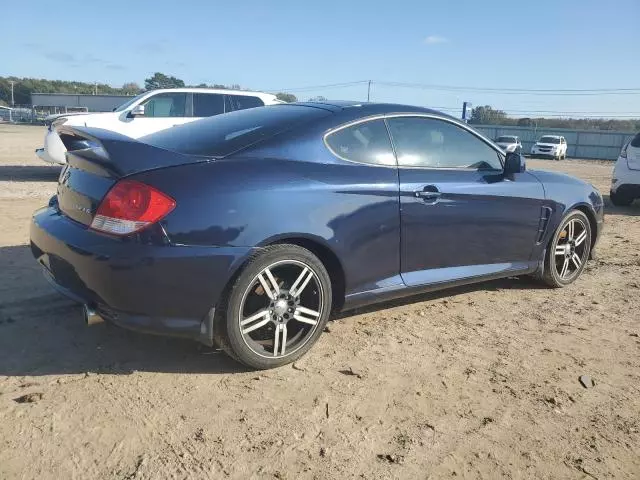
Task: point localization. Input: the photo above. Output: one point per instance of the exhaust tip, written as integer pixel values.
(91, 317)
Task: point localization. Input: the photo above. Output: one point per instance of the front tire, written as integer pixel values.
(276, 309)
(568, 250)
(620, 200)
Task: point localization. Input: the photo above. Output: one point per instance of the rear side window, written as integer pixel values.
(636, 141)
(241, 102)
(366, 142)
(166, 105)
(207, 104)
(225, 134)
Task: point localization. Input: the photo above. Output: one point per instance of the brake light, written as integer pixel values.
(131, 206)
(623, 153)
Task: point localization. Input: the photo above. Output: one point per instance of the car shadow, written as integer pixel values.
(632, 210)
(30, 173)
(43, 333)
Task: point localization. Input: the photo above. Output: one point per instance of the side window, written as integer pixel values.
(207, 104)
(166, 105)
(242, 102)
(429, 142)
(366, 142)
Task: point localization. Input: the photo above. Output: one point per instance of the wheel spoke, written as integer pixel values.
(576, 260)
(561, 250)
(280, 345)
(262, 315)
(302, 319)
(271, 291)
(581, 238)
(565, 267)
(297, 287)
(570, 228)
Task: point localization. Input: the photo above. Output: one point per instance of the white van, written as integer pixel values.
(153, 111)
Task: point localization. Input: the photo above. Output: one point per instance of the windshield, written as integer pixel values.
(223, 135)
(128, 103)
(549, 140)
(507, 140)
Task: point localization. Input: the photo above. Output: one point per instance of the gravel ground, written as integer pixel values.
(474, 382)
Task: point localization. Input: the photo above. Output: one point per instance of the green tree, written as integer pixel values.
(131, 88)
(487, 116)
(160, 80)
(286, 97)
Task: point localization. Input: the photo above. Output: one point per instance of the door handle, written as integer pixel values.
(430, 192)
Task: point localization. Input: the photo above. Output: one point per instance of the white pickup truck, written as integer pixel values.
(151, 112)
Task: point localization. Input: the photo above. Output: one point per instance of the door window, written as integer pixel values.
(207, 104)
(241, 102)
(433, 143)
(366, 142)
(166, 105)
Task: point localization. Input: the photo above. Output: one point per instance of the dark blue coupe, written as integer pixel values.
(248, 229)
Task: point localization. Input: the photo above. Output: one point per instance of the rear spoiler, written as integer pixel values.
(108, 153)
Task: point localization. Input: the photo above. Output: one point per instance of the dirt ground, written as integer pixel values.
(480, 382)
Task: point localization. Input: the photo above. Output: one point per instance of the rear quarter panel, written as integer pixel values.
(352, 209)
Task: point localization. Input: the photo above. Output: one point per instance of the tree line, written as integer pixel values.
(487, 115)
(24, 87)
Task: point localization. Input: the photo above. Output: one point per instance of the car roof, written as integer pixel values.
(552, 136)
(212, 90)
(364, 109)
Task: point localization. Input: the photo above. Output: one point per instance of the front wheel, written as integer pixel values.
(620, 200)
(568, 250)
(277, 307)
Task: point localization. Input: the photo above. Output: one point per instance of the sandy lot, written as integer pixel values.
(480, 382)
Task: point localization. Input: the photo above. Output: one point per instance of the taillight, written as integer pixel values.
(623, 153)
(131, 206)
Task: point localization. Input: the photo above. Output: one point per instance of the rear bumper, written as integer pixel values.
(625, 180)
(167, 290)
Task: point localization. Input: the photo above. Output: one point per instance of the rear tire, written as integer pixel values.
(620, 200)
(276, 309)
(568, 250)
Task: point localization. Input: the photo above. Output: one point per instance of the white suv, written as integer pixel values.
(153, 111)
(554, 146)
(509, 143)
(625, 184)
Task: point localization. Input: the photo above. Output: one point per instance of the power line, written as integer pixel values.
(514, 91)
(319, 87)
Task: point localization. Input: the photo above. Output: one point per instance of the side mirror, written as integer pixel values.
(137, 111)
(514, 163)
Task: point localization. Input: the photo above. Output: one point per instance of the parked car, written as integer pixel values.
(152, 112)
(625, 184)
(554, 146)
(248, 229)
(509, 143)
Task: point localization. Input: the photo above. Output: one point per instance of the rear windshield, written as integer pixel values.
(636, 141)
(549, 140)
(225, 134)
(506, 140)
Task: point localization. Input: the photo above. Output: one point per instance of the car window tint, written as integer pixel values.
(166, 105)
(366, 142)
(428, 142)
(222, 135)
(241, 102)
(636, 141)
(207, 104)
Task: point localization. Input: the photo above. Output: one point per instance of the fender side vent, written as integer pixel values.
(545, 216)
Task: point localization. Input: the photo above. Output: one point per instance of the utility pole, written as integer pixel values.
(369, 91)
(12, 102)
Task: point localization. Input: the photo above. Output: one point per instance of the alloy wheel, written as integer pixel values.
(571, 249)
(280, 309)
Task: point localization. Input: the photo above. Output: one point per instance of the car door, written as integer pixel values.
(161, 111)
(461, 217)
(208, 104)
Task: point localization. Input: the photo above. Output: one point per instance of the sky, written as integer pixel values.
(484, 47)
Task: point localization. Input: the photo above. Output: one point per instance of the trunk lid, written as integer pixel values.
(97, 159)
